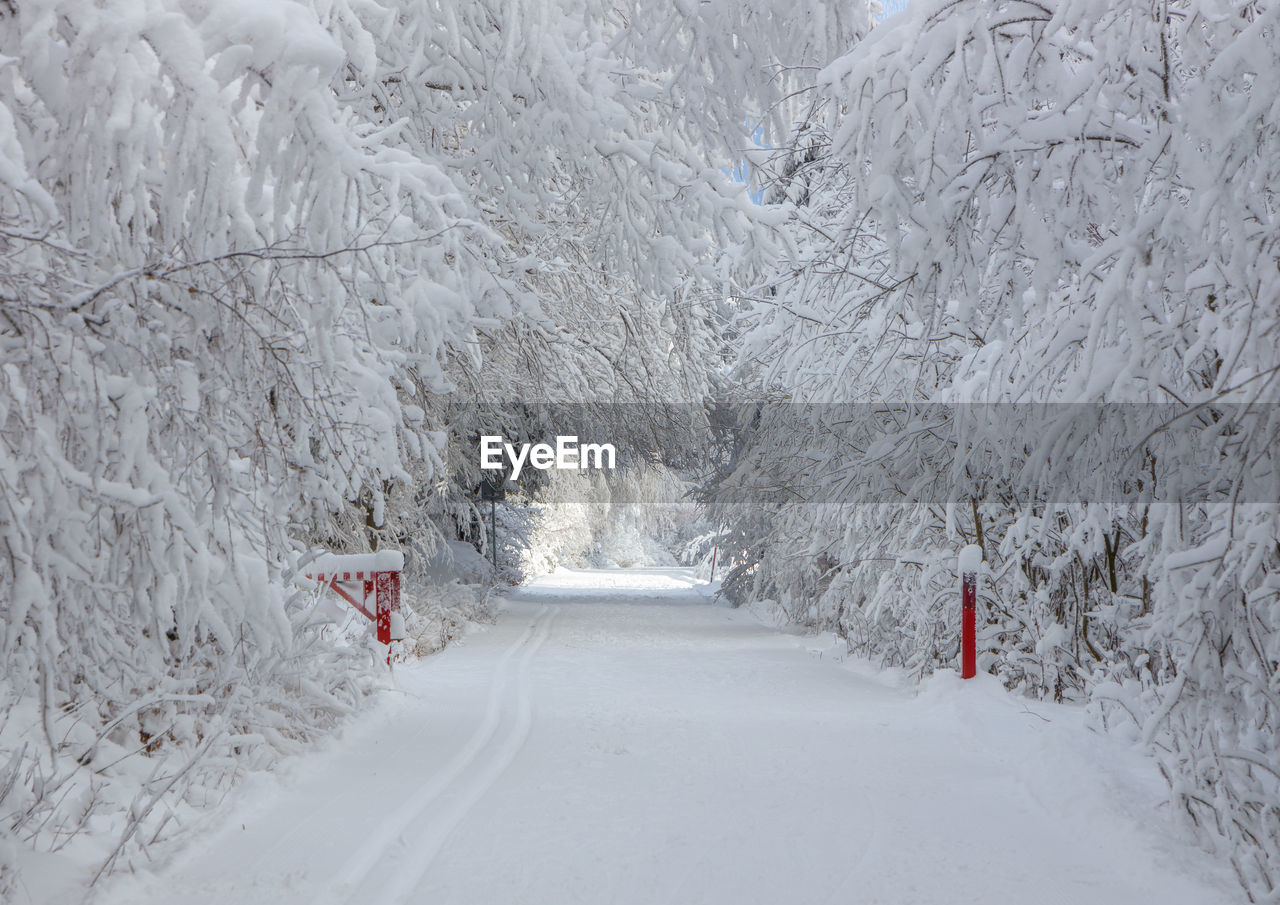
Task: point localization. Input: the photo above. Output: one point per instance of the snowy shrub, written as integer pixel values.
(439, 613)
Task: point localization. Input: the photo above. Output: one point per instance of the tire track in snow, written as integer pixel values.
(267, 857)
(472, 789)
(351, 876)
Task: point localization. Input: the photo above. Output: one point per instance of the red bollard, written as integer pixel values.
(970, 559)
(969, 626)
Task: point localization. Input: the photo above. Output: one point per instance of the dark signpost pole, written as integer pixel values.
(493, 491)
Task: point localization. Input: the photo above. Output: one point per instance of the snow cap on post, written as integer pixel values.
(382, 561)
(969, 560)
(388, 561)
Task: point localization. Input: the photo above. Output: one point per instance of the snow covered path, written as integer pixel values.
(616, 738)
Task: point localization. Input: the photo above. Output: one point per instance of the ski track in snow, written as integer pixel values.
(467, 771)
(466, 790)
(683, 753)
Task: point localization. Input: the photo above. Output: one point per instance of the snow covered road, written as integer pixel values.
(617, 738)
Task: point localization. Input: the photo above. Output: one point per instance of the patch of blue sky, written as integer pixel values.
(890, 8)
(742, 171)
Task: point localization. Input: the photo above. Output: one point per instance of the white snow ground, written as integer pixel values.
(617, 738)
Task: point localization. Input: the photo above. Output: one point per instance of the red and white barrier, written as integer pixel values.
(356, 577)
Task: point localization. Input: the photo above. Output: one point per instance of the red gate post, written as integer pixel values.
(382, 590)
(387, 596)
(386, 582)
(969, 561)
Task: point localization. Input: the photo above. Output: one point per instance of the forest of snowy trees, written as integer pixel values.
(998, 206)
(270, 267)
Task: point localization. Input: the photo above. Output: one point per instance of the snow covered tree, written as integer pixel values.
(1024, 213)
(260, 261)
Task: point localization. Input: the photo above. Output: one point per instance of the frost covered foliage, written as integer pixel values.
(1012, 204)
(187, 377)
(254, 254)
